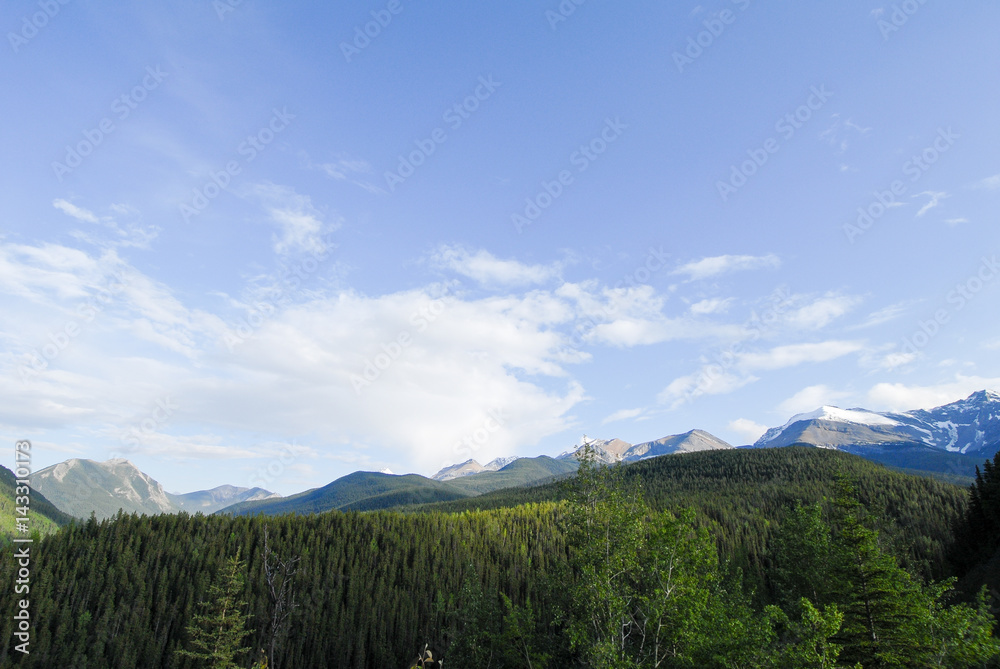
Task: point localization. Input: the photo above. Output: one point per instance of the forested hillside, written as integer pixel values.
(533, 585)
(741, 494)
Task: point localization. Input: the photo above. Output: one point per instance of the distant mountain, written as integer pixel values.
(610, 451)
(689, 442)
(953, 438)
(79, 487)
(497, 464)
(360, 491)
(466, 468)
(210, 501)
(470, 467)
(520, 472)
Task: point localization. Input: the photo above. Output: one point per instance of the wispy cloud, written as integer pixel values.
(989, 183)
(718, 265)
(79, 213)
(132, 235)
(884, 315)
(822, 311)
(485, 268)
(622, 414)
(935, 199)
(346, 169)
(797, 354)
(712, 306)
(300, 225)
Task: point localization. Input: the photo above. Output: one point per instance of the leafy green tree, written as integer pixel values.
(217, 634)
(806, 643)
(802, 557)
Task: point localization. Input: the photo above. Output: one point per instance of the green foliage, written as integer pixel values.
(217, 634)
(977, 532)
(669, 562)
(889, 618)
(806, 642)
(43, 516)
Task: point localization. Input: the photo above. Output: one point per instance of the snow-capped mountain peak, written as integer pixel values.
(966, 426)
(859, 416)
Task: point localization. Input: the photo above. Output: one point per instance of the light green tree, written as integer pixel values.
(217, 634)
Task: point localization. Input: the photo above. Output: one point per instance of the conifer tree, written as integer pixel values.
(217, 634)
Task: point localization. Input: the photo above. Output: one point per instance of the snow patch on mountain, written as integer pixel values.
(858, 416)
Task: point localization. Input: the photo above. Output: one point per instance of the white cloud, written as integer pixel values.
(737, 370)
(901, 397)
(935, 200)
(989, 183)
(709, 380)
(489, 270)
(797, 354)
(747, 429)
(895, 360)
(956, 221)
(76, 212)
(811, 398)
(133, 235)
(437, 364)
(718, 265)
(884, 315)
(822, 311)
(300, 225)
(711, 306)
(622, 414)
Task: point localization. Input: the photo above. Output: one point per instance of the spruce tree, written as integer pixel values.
(218, 632)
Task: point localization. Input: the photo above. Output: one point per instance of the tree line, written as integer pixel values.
(783, 558)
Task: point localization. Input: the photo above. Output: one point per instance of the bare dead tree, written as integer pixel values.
(278, 574)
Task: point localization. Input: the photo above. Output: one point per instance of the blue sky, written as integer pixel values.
(273, 243)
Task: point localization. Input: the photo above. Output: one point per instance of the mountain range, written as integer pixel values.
(953, 438)
(79, 487)
(947, 440)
